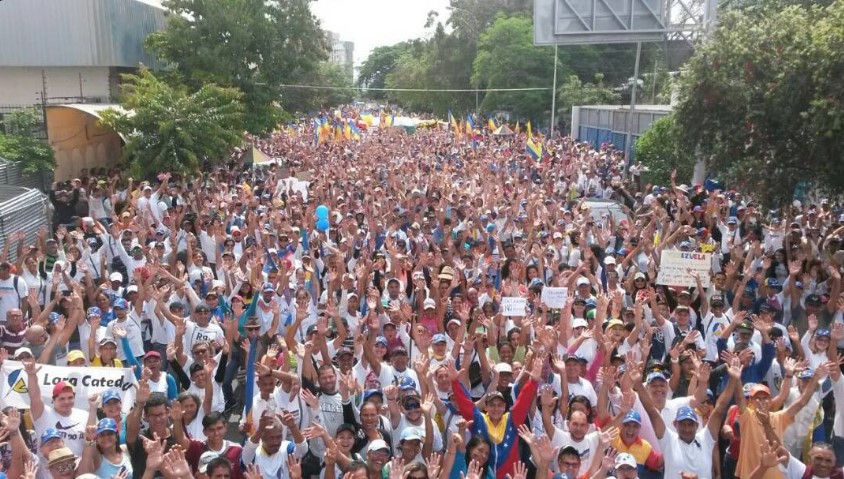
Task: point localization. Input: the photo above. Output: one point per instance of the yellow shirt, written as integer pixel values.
(97, 362)
(752, 436)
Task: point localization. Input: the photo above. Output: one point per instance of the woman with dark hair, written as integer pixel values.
(460, 453)
(103, 454)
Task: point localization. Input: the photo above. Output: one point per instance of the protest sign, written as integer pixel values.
(14, 388)
(674, 267)
(554, 297)
(513, 306)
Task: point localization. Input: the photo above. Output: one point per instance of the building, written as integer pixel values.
(342, 53)
(68, 55)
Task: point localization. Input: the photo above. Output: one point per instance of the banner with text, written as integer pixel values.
(674, 267)
(513, 306)
(14, 389)
(554, 297)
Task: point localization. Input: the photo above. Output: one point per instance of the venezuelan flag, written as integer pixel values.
(453, 122)
(490, 123)
(250, 386)
(470, 125)
(529, 132)
(518, 128)
(354, 130)
(391, 119)
(347, 130)
(534, 149)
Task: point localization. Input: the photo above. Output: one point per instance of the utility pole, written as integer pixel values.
(628, 142)
(554, 94)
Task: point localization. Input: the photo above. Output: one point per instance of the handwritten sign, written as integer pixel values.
(554, 297)
(674, 267)
(513, 306)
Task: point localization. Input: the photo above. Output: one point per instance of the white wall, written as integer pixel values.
(22, 85)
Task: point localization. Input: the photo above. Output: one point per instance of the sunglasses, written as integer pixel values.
(65, 467)
(412, 406)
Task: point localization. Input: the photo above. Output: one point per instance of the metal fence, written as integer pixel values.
(21, 209)
(11, 174)
(40, 127)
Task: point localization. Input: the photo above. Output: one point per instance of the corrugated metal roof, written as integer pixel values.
(50, 33)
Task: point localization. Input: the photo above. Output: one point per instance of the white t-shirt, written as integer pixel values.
(695, 457)
(72, 428)
(585, 447)
(132, 325)
(713, 329)
(195, 333)
(9, 297)
(581, 388)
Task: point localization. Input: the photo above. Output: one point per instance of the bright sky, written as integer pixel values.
(374, 23)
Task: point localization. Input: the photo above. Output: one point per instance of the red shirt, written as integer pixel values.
(232, 453)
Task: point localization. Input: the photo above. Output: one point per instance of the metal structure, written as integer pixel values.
(21, 209)
(77, 33)
(573, 22)
(11, 175)
(614, 124)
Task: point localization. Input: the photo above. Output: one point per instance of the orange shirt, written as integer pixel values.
(752, 436)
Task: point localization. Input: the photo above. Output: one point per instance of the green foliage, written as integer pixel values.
(20, 145)
(252, 45)
(763, 102)
(507, 58)
(303, 100)
(380, 63)
(661, 150)
(575, 92)
(171, 129)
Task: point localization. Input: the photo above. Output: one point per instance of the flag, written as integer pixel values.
(529, 133)
(816, 432)
(534, 149)
(470, 125)
(453, 122)
(354, 130)
(347, 131)
(250, 386)
(490, 123)
(518, 128)
(338, 132)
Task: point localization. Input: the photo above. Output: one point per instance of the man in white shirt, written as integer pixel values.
(821, 465)
(268, 449)
(689, 450)
(69, 421)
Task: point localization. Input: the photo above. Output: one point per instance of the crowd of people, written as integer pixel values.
(267, 345)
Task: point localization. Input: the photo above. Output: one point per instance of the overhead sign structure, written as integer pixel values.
(575, 22)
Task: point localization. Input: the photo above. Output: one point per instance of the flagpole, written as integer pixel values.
(554, 93)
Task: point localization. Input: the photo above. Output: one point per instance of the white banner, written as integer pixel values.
(513, 306)
(674, 267)
(554, 297)
(14, 390)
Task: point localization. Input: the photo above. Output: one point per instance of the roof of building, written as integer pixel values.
(78, 33)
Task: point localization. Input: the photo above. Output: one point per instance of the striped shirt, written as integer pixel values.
(11, 341)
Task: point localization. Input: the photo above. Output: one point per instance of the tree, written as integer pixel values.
(575, 92)
(507, 58)
(762, 100)
(171, 129)
(20, 145)
(660, 149)
(380, 63)
(253, 45)
(327, 74)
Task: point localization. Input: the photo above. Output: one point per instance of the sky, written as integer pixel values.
(374, 23)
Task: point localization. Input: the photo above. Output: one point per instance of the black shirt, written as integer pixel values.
(139, 455)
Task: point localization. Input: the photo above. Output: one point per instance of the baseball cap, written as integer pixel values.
(75, 355)
(381, 340)
(50, 434)
(579, 323)
(204, 460)
(813, 299)
(106, 425)
(632, 416)
(654, 376)
(494, 395)
(773, 283)
(372, 392)
(107, 340)
(439, 338)
(201, 308)
(60, 455)
(759, 388)
(21, 351)
(430, 304)
(410, 434)
(61, 387)
(121, 303)
(378, 445)
(686, 413)
(625, 460)
(503, 368)
(823, 333)
(407, 383)
(745, 325)
(807, 373)
(115, 277)
(344, 351)
(615, 322)
(267, 287)
(94, 311)
(152, 354)
(54, 318)
(111, 395)
(582, 281)
(345, 427)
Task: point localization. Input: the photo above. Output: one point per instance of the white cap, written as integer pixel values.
(625, 459)
(378, 445)
(204, 460)
(503, 368)
(579, 323)
(115, 277)
(557, 235)
(639, 275)
(20, 351)
(430, 304)
(609, 260)
(581, 280)
(133, 288)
